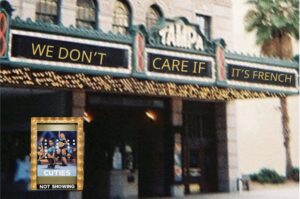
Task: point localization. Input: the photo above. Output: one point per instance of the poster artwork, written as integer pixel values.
(177, 158)
(57, 154)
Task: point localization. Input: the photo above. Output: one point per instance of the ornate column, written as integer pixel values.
(78, 108)
(226, 147)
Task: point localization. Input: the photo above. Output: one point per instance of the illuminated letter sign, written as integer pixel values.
(261, 76)
(181, 35)
(70, 52)
(179, 65)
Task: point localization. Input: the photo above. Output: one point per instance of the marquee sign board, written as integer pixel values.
(61, 51)
(174, 50)
(180, 66)
(261, 76)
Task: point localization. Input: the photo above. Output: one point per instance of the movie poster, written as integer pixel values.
(177, 158)
(57, 153)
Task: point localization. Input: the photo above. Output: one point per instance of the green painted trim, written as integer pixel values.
(217, 83)
(59, 12)
(134, 30)
(262, 60)
(142, 76)
(130, 40)
(174, 49)
(163, 79)
(139, 75)
(225, 85)
(97, 12)
(6, 6)
(30, 25)
(63, 69)
(153, 37)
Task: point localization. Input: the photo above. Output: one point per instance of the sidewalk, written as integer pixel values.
(280, 192)
(291, 192)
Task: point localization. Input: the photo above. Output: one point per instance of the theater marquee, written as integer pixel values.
(261, 76)
(68, 52)
(180, 66)
(174, 52)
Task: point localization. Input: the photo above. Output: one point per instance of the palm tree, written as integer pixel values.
(276, 22)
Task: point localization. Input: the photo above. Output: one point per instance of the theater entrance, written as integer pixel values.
(200, 155)
(126, 151)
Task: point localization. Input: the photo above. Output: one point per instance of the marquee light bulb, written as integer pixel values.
(152, 115)
(87, 117)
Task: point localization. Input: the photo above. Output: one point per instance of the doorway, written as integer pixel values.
(200, 155)
(125, 154)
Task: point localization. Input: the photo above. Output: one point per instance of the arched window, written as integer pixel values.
(121, 18)
(152, 16)
(86, 16)
(47, 11)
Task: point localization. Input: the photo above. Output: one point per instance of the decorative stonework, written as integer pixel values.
(177, 37)
(178, 33)
(18, 23)
(140, 52)
(4, 32)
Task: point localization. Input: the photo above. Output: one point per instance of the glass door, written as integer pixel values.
(193, 171)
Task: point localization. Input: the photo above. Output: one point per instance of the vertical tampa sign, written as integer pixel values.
(176, 52)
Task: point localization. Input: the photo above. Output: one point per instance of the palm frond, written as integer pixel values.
(272, 17)
(252, 20)
(279, 21)
(263, 34)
